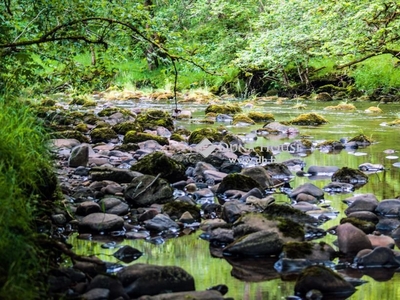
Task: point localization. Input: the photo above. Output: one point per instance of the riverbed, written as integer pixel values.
(192, 253)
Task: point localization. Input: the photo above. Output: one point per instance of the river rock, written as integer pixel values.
(110, 284)
(127, 254)
(313, 252)
(87, 208)
(349, 175)
(389, 208)
(146, 279)
(231, 211)
(322, 170)
(363, 202)
(101, 222)
(351, 239)
(160, 223)
(309, 189)
(115, 206)
(324, 280)
(381, 241)
(387, 225)
(113, 174)
(238, 182)
(145, 190)
(257, 244)
(259, 174)
(158, 163)
(365, 216)
(379, 257)
(79, 156)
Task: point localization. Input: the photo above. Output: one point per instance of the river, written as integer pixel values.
(192, 253)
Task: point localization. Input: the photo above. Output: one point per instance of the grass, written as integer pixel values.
(23, 154)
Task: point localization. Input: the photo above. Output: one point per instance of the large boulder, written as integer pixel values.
(351, 240)
(259, 174)
(379, 257)
(389, 208)
(309, 189)
(363, 202)
(146, 190)
(145, 279)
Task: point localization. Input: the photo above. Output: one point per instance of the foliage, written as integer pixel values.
(23, 154)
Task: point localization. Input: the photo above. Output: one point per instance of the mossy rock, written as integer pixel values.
(113, 110)
(365, 226)
(72, 134)
(290, 228)
(242, 118)
(102, 124)
(261, 116)
(153, 118)
(89, 103)
(77, 101)
(373, 110)
(183, 131)
(82, 127)
(227, 109)
(175, 209)
(309, 119)
(137, 137)
(128, 147)
(394, 123)
(236, 181)
(296, 250)
(91, 119)
(349, 175)
(343, 106)
(124, 127)
(288, 212)
(199, 134)
(103, 134)
(361, 139)
(177, 137)
(158, 163)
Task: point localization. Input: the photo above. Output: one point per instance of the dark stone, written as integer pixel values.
(238, 182)
(113, 174)
(146, 190)
(160, 223)
(87, 208)
(145, 279)
(389, 208)
(307, 188)
(127, 254)
(109, 283)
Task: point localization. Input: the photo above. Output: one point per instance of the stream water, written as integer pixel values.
(192, 253)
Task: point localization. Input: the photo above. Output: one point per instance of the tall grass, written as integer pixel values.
(24, 156)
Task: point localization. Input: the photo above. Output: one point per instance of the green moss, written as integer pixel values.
(306, 143)
(261, 116)
(137, 137)
(297, 249)
(153, 118)
(199, 134)
(227, 108)
(286, 211)
(361, 138)
(72, 134)
(290, 228)
(365, 226)
(102, 134)
(177, 137)
(242, 118)
(159, 163)
(89, 103)
(48, 102)
(348, 175)
(309, 119)
(124, 127)
(82, 127)
(77, 101)
(112, 110)
(328, 143)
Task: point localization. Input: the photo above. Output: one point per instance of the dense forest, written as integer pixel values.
(247, 48)
(250, 47)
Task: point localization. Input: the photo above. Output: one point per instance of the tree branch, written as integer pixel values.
(356, 61)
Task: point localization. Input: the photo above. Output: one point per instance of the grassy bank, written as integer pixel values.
(24, 159)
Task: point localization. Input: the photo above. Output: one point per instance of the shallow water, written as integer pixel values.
(192, 253)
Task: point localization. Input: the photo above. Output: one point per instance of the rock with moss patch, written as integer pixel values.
(349, 175)
(239, 182)
(209, 133)
(103, 135)
(72, 134)
(288, 212)
(312, 119)
(324, 96)
(176, 209)
(317, 252)
(261, 116)
(365, 226)
(325, 280)
(242, 119)
(361, 140)
(153, 118)
(159, 163)
(124, 127)
(227, 108)
(137, 137)
(112, 110)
